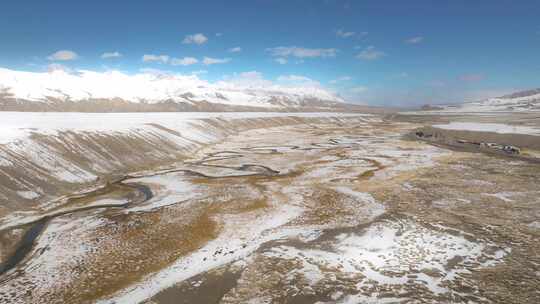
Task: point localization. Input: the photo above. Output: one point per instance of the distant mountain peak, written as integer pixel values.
(83, 86)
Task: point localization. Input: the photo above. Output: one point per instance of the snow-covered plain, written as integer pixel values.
(489, 127)
(388, 253)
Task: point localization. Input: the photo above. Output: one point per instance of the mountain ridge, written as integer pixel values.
(88, 91)
(522, 101)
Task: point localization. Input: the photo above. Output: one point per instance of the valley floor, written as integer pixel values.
(320, 211)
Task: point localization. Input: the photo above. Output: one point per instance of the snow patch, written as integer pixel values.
(388, 252)
(489, 127)
(29, 195)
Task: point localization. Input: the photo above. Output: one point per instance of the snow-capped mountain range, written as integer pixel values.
(102, 91)
(517, 102)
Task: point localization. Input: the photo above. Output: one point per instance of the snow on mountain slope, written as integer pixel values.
(517, 102)
(150, 88)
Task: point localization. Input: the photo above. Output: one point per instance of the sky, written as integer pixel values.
(380, 52)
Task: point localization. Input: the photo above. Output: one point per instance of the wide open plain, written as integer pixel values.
(347, 209)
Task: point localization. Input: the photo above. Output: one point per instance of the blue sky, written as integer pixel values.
(376, 52)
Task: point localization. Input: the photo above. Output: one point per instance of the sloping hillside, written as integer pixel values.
(43, 155)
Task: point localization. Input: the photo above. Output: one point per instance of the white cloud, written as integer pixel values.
(340, 79)
(281, 60)
(198, 38)
(300, 52)
(209, 60)
(184, 61)
(246, 79)
(199, 72)
(293, 78)
(370, 53)
(415, 40)
(235, 49)
(58, 67)
(155, 71)
(298, 80)
(343, 34)
(63, 55)
(155, 58)
(251, 75)
(107, 55)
